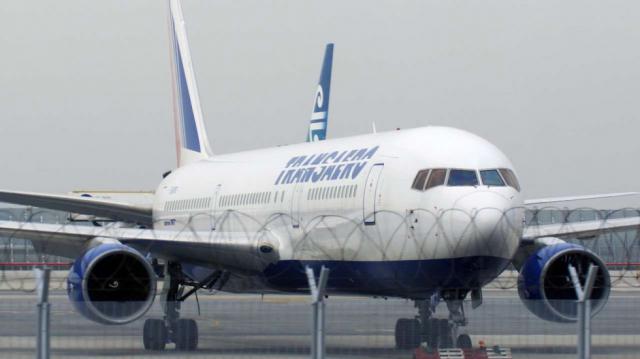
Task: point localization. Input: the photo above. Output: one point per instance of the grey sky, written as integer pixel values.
(85, 86)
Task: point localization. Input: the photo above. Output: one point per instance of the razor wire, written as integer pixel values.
(412, 234)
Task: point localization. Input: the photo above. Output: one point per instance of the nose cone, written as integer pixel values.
(484, 223)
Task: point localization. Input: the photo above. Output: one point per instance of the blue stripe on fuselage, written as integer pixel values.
(408, 279)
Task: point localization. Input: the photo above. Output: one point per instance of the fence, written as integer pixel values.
(279, 326)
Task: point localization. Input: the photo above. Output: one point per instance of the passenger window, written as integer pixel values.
(418, 182)
(510, 178)
(462, 178)
(437, 178)
(491, 178)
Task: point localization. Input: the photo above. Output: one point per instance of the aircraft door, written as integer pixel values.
(215, 212)
(371, 194)
(296, 199)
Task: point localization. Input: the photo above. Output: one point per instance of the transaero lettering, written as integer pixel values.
(329, 166)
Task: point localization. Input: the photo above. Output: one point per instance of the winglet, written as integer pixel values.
(320, 116)
(192, 143)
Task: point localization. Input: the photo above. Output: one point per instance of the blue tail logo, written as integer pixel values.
(192, 143)
(189, 130)
(320, 115)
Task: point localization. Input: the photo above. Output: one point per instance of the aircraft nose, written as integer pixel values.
(485, 223)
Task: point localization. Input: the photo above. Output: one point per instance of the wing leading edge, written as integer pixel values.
(533, 202)
(581, 230)
(84, 205)
(241, 252)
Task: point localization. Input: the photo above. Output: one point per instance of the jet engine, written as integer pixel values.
(545, 284)
(111, 284)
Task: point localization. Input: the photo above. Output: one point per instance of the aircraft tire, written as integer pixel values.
(154, 334)
(445, 334)
(407, 333)
(464, 341)
(186, 335)
(431, 330)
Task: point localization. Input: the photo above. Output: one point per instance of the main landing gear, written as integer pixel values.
(157, 333)
(437, 333)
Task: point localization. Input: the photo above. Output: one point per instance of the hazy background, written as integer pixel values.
(85, 85)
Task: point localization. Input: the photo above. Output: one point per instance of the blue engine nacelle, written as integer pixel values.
(545, 285)
(112, 284)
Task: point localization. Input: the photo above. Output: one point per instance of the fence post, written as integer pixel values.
(584, 309)
(42, 288)
(318, 304)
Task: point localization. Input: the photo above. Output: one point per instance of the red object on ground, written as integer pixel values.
(473, 353)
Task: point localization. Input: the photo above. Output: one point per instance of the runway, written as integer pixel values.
(251, 326)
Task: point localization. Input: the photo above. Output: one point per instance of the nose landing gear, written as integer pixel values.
(437, 333)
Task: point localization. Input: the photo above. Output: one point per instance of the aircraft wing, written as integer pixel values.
(580, 230)
(84, 205)
(533, 202)
(246, 252)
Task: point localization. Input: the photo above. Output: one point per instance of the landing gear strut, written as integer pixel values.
(437, 333)
(157, 333)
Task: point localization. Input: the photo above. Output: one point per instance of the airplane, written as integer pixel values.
(427, 214)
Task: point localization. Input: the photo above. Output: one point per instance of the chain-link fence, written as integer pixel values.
(264, 324)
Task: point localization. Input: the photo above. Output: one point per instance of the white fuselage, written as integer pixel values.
(349, 204)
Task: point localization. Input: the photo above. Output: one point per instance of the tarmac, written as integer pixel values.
(277, 326)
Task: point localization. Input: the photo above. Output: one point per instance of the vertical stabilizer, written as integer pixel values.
(320, 116)
(192, 143)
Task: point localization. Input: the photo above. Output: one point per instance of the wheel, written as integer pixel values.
(444, 332)
(464, 341)
(186, 335)
(432, 332)
(154, 334)
(407, 333)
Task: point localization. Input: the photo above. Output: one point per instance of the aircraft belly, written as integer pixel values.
(404, 279)
(408, 278)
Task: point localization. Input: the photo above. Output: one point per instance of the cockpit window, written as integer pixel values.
(462, 178)
(491, 178)
(510, 178)
(421, 178)
(437, 178)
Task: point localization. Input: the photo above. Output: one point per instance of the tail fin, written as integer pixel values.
(192, 143)
(320, 115)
